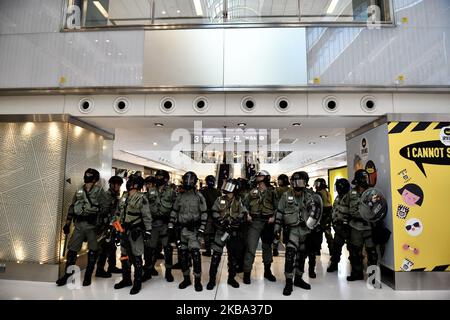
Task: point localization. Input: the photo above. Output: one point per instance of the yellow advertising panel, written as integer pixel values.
(420, 180)
(333, 175)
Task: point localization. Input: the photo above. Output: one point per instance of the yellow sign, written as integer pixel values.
(333, 175)
(420, 176)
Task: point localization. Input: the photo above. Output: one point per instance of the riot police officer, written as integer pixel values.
(211, 194)
(241, 243)
(315, 238)
(108, 245)
(283, 186)
(340, 217)
(262, 203)
(299, 211)
(228, 214)
(361, 230)
(161, 200)
(88, 206)
(190, 212)
(136, 221)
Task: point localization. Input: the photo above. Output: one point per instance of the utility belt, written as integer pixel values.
(130, 226)
(191, 226)
(260, 216)
(163, 219)
(91, 219)
(301, 223)
(364, 222)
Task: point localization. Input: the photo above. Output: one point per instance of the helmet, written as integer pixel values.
(314, 209)
(320, 184)
(299, 180)
(150, 179)
(189, 180)
(135, 182)
(263, 176)
(373, 206)
(283, 180)
(161, 177)
(91, 176)
(342, 186)
(115, 180)
(361, 179)
(230, 185)
(210, 181)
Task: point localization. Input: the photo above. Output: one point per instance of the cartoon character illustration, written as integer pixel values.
(408, 247)
(372, 171)
(412, 194)
(357, 163)
(414, 227)
(407, 265)
(402, 211)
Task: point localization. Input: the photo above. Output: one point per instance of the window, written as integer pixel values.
(193, 13)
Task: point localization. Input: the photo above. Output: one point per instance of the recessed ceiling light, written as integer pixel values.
(119, 53)
(297, 124)
(107, 40)
(242, 124)
(155, 143)
(96, 40)
(163, 12)
(312, 143)
(324, 136)
(159, 125)
(178, 11)
(109, 53)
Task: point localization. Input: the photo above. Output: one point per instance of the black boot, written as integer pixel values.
(126, 275)
(92, 259)
(168, 275)
(299, 282)
(215, 261)
(268, 273)
(71, 260)
(198, 284)
(288, 288)
(332, 267)
(168, 260)
(114, 269)
(100, 272)
(177, 265)
(312, 267)
(186, 282)
(149, 260)
(112, 260)
(232, 281)
(137, 284)
(232, 266)
(355, 277)
(247, 278)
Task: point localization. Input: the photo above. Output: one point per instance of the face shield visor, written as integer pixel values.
(189, 181)
(228, 187)
(298, 184)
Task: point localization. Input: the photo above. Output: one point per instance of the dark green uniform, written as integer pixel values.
(161, 202)
(211, 195)
(360, 236)
(87, 210)
(241, 245)
(108, 246)
(190, 212)
(340, 217)
(261, 206)
(292, 215)
(228, 215)
(135, 218)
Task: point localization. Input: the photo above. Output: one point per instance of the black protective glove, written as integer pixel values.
(135, 233)
(66, 228)
(172, 235)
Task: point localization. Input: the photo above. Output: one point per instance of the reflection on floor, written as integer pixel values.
(325, 286)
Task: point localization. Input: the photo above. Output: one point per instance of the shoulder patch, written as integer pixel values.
(223, 202)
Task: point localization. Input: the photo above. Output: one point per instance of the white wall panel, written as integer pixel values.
(421, 103)
(84, 59)
(184, 57)
(418, 49)
(265, 57)
(32, 105)
(30, 16)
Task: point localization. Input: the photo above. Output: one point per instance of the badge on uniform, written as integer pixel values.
(290, 199)
(255, 191)
(222, 202)
(152, 192)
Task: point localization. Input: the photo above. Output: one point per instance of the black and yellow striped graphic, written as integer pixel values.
(400, 127)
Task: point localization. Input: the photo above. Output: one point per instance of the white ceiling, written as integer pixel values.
(135, 139)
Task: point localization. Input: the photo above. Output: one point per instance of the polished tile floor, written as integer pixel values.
(325, 286)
